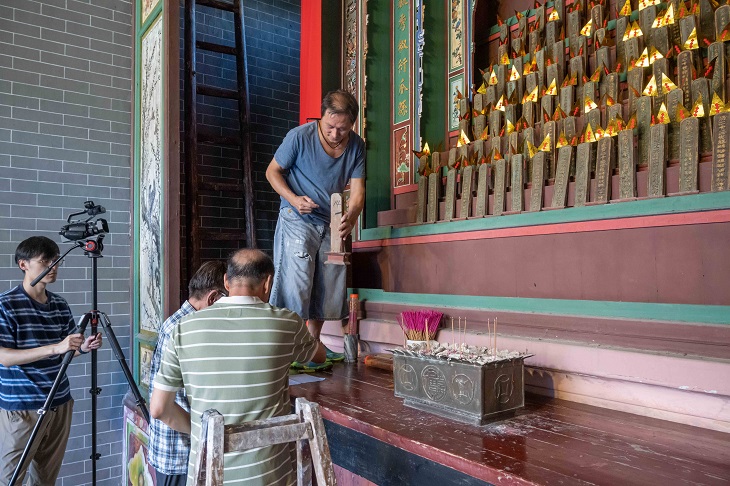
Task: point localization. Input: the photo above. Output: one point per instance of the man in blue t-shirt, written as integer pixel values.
(313, 162)
(36, 330)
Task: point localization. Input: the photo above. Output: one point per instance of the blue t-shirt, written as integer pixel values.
(313, 173)
(26, 323)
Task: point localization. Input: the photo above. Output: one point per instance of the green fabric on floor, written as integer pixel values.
(310, 367)
(333, 356)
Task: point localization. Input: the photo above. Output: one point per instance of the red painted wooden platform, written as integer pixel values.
(548, 442)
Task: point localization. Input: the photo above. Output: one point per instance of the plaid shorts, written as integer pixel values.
(302, 282)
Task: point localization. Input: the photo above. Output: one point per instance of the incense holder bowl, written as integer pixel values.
(463, 391)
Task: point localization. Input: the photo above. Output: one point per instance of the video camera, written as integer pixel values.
(79, 230)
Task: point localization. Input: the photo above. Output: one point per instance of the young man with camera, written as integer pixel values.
(36, 330)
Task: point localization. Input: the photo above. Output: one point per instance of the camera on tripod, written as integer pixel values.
(79, 230)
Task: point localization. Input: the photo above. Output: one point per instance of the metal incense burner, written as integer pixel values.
(460, 390)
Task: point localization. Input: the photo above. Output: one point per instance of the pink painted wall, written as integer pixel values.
(687, 264)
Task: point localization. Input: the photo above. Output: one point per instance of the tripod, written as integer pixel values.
(92, 249)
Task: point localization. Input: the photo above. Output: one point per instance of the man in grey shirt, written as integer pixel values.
(313, 162)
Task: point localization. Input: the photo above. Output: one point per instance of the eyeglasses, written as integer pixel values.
(47, 263)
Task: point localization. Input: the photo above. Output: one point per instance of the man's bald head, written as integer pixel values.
(249, 268)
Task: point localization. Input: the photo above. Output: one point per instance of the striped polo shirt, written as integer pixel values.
(25, 324)
(234, 357)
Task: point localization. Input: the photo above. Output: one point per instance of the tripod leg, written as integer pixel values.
(119, 354)
(94, 391)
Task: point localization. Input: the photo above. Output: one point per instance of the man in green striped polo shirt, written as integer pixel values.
(234, 357)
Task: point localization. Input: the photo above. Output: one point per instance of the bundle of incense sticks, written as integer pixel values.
(420, 325)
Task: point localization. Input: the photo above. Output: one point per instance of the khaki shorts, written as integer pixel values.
(49, 446)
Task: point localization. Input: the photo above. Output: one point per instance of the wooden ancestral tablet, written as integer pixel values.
(716, 53)
(674, 98)
(553, 73)
(662, 43)
(626, 165)
(534, 38)
(450, 196)
(583, 165)
(707, 20)
(621, 24)
(560, 188)
(434, 193)
(570, 134)
(529, 112)
(657, 161)
(603, 57)
(422, 192)
(551, 35)
(501, 79)
(567, 97)
(721, 155)
(517, 183)
(538, 181)
(685, 68)
(610, 87)
(422, 200)
(549, 128)
(647, 16)
(701, 87)
(482, 190)
(604, 165)
(338, 255)
(634, 79)
(434, 189)
(643, 106)
(689, 148)
(479, 124)
(722, 17)
(500, 167)
(574, 25)
(495, 122)
(467, 183)
(540, 61)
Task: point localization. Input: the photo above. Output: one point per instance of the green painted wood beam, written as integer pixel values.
(704, 314)
(435, 69)
(646, 207)
(377, 182)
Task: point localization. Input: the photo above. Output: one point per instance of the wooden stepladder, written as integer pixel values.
(305, 427)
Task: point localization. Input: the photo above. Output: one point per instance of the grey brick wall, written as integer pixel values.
(65, 90)
(272, 38)
(65, 111)
(273, 32)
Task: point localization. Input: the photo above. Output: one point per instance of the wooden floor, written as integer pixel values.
(548, 442)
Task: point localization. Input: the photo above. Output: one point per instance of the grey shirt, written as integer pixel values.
(311, 172)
